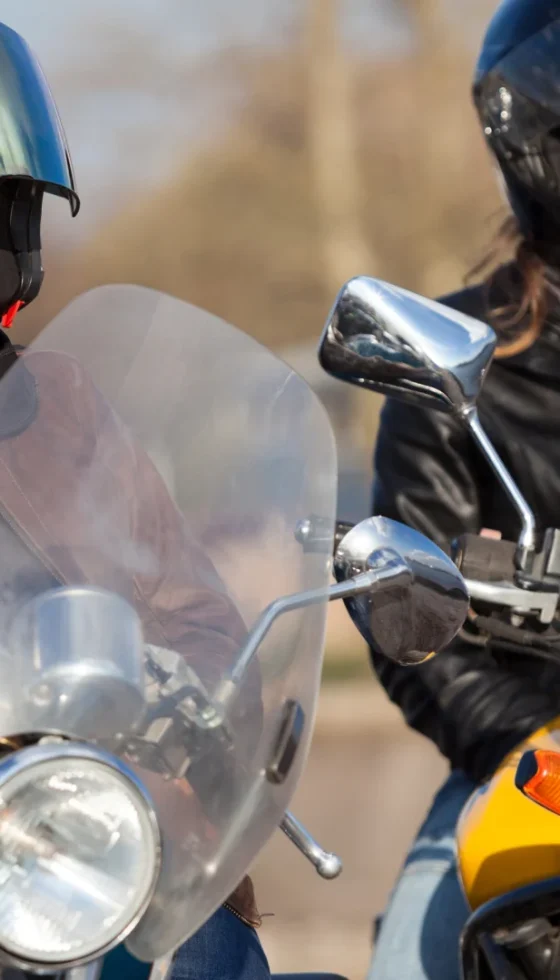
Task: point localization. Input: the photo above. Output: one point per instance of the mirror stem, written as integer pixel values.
(375, 579)
(527, 539)
(354, 586)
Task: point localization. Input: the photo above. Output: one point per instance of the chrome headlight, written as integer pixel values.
(79, 854)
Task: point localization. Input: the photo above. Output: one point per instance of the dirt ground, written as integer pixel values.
(366, 788)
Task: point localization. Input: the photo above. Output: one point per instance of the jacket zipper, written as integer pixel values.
(247, 922)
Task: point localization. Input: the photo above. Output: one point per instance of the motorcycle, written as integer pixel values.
(399, 344)
(162, 612)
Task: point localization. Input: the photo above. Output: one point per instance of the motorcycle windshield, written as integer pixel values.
(150, 451)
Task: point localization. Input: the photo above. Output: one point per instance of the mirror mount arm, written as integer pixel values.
(526, 544)
(373, 580)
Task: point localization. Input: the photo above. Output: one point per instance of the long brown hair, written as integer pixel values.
(519, 323)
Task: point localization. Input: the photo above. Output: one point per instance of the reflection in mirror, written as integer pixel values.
(421, 602)
(395, 342)
(385, 338)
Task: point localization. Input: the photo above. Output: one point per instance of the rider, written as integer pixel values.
(474, 705)
(34, 159)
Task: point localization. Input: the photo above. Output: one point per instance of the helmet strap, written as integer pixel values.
(21, 269)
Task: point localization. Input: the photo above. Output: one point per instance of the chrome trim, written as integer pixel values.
(28, 758)
(89, 971)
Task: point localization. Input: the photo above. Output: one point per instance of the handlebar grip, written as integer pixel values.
(485, 559)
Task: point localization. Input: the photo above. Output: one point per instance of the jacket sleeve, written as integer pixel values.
(427, 475)
(182, 601)
(185, 597)
(186, 600)
(191, 610)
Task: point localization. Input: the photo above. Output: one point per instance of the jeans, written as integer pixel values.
(223, 949)
(419, 934)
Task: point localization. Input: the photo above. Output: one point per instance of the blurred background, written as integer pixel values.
(249, 156)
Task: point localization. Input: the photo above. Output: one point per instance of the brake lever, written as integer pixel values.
(326, 864)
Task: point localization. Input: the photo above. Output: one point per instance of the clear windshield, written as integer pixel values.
(152, 451)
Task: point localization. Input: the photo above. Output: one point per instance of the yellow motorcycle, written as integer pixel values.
(394, 342)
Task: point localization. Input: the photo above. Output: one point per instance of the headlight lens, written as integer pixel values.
(79, 855)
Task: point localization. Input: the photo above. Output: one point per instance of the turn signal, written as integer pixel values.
(538, 777)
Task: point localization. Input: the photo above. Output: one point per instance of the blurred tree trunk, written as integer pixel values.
(436, 41)
(440, 55)
(333, 150)
(335, 171)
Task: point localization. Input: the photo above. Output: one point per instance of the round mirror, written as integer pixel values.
(406, 617)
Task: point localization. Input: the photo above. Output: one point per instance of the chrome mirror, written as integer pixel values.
(385, 338)
(392, 341)
(407, 598)
(379, 564)
(422, 600)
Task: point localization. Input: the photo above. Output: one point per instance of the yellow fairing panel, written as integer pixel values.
(504, 840)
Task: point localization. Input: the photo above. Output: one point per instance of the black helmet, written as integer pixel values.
(34, 158)
(517, 95)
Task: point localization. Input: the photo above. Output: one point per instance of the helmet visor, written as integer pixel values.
(523, 89)
(32, 141)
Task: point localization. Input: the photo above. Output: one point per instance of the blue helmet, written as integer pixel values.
(34, 158)
(517, 96)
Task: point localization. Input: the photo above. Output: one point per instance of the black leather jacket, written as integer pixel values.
(474, 704)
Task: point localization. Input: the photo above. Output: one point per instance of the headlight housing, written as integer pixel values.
(79, 854)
